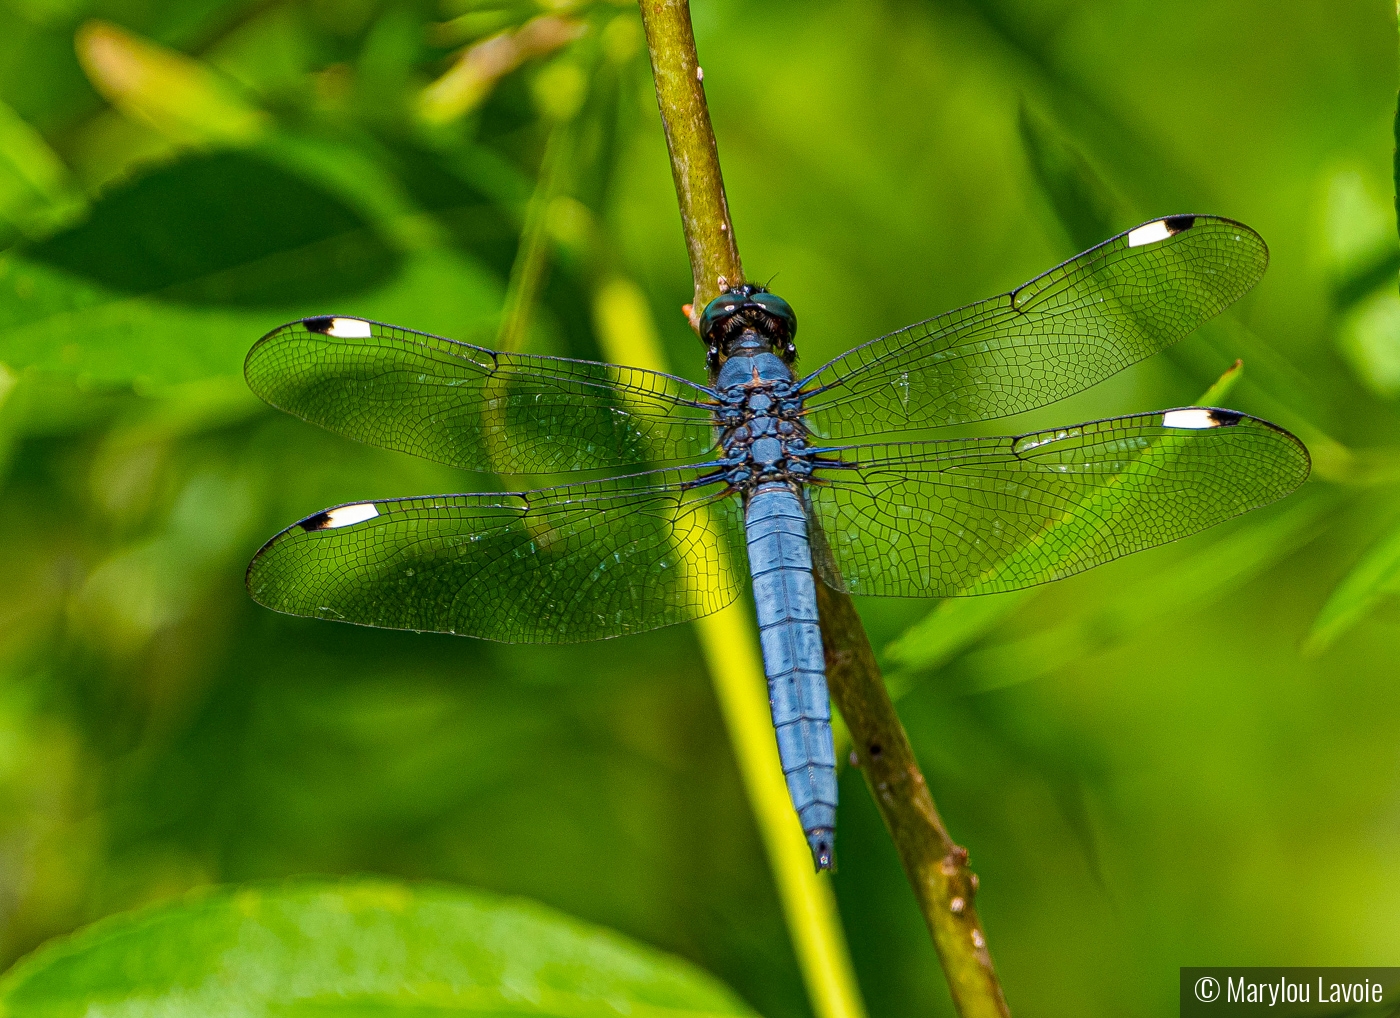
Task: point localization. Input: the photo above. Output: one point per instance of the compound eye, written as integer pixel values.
(778, 308)
(717, 311)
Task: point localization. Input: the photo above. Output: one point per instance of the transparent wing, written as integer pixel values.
(1062, 332)
(980, 515)
(557, 565)
(475, 408)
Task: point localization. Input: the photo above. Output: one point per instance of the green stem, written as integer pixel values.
(936, 867)
(527, 273)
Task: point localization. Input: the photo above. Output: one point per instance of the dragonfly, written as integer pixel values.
(766, 477)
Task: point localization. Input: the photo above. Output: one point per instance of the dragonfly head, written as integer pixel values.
(748, 317)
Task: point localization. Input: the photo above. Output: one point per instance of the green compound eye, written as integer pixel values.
(778, 308)
(718, 310)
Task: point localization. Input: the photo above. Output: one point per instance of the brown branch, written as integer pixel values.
(680, 92)
(937, 867)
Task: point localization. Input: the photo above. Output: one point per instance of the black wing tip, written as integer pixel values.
(315, 323)
(1222, 417)
(1182, 222)
(1148, 234)
(321, 324)
(318, 521)
(325, 324)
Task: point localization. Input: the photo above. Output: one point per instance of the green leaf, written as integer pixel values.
(36, 191)
(335, 950)
(174, 276)
(1374, 577)
(1182, 586)
(948, 630)
(1358, 239)
(1222, 386)
(225, 229)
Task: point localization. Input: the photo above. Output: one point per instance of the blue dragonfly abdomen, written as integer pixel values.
(785, 599)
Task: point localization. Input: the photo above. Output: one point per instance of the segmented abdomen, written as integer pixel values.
(786, 600)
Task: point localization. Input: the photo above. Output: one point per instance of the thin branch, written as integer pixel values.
(937, 867)
(680, 92)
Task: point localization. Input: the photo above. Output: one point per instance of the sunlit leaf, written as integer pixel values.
(1358, 235)
(37, 193)
(362, 948)
(470, 79)
(1369, 338)
(1395, 162)
(270, 54)
(175, 94)
(1222, 386)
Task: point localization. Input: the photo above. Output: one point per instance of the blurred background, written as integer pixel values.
(1188, 757)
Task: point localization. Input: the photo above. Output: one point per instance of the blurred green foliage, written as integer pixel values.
(1180, 758)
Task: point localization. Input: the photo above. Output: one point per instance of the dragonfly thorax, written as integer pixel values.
(760, 419)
